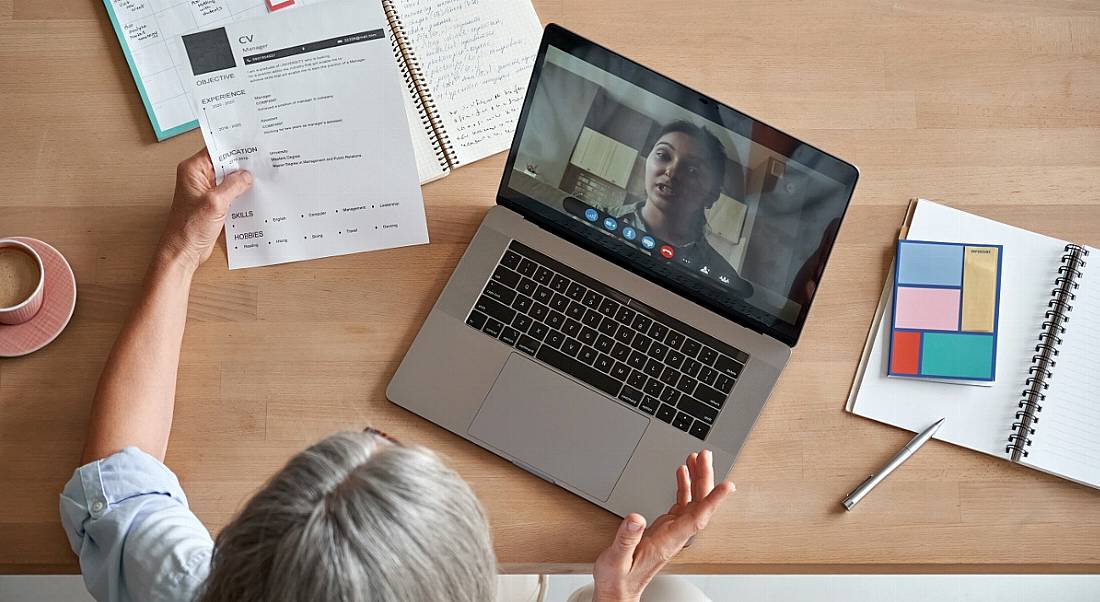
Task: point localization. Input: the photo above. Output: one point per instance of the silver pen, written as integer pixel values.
(910, 448)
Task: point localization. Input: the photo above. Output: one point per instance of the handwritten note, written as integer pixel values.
(476, 58)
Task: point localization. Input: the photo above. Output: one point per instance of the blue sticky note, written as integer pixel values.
(929, 264)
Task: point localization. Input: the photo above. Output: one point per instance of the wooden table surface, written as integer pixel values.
(991, 106)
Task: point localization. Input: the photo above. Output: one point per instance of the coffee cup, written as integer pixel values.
(22, 281)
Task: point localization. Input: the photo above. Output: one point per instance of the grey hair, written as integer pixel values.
(357, 519)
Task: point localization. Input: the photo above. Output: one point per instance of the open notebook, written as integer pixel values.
(1043, 411)
(466, 65)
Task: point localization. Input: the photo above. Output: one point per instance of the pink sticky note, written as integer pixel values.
(927, 308)
(273, 5)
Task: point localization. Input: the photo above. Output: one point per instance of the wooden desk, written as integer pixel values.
(994, 107)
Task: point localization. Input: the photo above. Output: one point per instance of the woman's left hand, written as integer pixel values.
(199, 209)
(623, 570)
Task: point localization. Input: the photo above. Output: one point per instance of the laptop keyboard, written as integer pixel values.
(643, 358)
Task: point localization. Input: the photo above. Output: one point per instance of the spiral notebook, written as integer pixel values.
(466, 65)
(1044, 409)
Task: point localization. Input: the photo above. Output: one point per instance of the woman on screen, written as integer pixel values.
(684, 172)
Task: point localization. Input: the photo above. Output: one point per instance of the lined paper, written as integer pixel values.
(1067, 437)
(476, 58)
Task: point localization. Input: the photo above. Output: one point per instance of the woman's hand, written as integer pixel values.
(137, 392)
(623, 570)
(199, 209)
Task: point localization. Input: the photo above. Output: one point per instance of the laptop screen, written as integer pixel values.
(695, 195)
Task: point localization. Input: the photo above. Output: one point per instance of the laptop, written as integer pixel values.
(636, 291)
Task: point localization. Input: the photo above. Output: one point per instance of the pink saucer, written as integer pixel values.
(57, 305)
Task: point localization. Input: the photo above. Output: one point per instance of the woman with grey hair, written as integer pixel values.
(356, 517)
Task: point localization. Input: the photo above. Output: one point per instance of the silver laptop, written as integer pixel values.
(637, 290)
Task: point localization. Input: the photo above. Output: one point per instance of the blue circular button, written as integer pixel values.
(648, 242)
(591, 215)
(610, 223)
(629, 233)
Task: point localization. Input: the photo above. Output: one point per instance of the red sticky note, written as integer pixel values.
(274, 5)
(905, 353)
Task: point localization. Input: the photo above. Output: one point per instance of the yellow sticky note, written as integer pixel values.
(979, 296)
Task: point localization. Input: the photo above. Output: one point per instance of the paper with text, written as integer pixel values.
(310, 102)
(476, 58)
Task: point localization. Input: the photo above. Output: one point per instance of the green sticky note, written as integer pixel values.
(957, 355)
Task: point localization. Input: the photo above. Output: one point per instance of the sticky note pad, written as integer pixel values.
(927, 308)
(944, 321)
(957, 355)
(905, 358)
(981, 272)
(930, 264)
(274, 5)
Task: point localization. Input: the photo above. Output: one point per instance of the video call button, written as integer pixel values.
(594, 216)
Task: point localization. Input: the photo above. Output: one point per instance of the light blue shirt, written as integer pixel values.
(127, 519)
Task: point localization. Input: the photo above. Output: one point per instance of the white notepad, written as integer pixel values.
(467, 65)
(1044, 409)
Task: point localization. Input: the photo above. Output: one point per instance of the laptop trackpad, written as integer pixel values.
(558, 427)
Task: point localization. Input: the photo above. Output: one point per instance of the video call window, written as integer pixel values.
(739, 217)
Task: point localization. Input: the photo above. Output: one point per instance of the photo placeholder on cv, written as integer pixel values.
(209, 51)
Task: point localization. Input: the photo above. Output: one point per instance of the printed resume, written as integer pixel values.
(308, 100)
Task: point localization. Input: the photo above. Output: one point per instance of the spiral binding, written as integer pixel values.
(414, 80)
(1054, 326)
